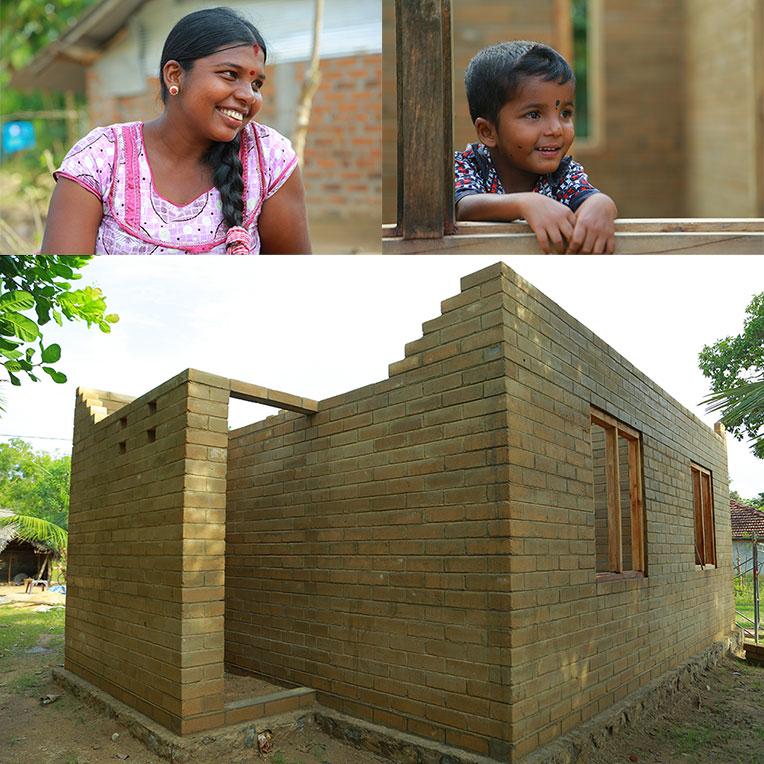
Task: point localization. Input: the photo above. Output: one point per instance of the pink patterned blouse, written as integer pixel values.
(111, 163)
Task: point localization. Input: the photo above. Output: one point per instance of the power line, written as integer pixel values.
(34, 437)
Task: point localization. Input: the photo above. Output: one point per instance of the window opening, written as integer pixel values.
(703, 504)
(618, 497)
(579, 11)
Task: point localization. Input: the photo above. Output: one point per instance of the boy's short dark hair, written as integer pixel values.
(494, 74)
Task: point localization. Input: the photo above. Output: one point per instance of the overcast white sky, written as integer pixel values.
(325, 325)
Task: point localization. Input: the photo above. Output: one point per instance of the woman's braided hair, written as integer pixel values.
(196, 36)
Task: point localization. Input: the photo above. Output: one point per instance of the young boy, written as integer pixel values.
(521, 97)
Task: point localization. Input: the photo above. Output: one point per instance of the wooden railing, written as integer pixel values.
(633, 237)
(425, 214)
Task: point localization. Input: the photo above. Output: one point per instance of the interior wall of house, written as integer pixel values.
(366, 546)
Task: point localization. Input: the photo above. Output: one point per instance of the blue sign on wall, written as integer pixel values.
(18, 136)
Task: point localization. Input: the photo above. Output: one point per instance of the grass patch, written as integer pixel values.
(689, 739)
(744, 603)
(28, 683)
(21, 628)
(279, 758)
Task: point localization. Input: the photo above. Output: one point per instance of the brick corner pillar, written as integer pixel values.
(202, 591)
(146, 552)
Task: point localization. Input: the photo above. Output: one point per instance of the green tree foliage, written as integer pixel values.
(735, 367)
(34, 483)
(42, 285)
(757, 501)
(36, 529)
(27, 27)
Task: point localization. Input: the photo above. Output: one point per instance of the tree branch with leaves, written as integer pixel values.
(41, 284)
(735, 366)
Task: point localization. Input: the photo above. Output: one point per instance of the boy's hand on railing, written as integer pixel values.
(552, 222)
(594, 232)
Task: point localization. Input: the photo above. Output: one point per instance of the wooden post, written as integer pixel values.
(615, 552)
(758, 70)
(42, 567)
(72, 121)
(310, 85)
(563, 29)
(425, 140)
(756, 601)
(637, 508)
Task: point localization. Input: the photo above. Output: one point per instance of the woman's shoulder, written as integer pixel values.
(271, 153)
(109, 132)
(270, 141)
(101, 139)
(92, 160)
(264, 132)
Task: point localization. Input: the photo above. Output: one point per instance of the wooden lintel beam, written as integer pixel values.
(244, 391)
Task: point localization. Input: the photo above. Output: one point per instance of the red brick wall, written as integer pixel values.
(343, 156)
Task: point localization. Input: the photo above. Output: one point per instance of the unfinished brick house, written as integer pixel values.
(513, 532)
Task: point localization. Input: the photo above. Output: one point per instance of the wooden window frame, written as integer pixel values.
(426, 221)
(703, 516)
(613, 430)
(595, 64)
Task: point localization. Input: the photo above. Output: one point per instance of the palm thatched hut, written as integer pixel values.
(19, 558)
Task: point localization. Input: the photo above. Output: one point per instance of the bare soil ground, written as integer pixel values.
(68, 731)
(721, 721)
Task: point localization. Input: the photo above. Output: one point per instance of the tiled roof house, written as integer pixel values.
(747, 521)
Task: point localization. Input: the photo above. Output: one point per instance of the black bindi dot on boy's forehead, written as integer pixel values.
(556, 103)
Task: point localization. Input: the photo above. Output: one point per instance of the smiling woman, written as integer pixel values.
(203, 177)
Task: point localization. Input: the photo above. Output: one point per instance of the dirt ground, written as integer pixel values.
(720, 722)
(70, 732)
